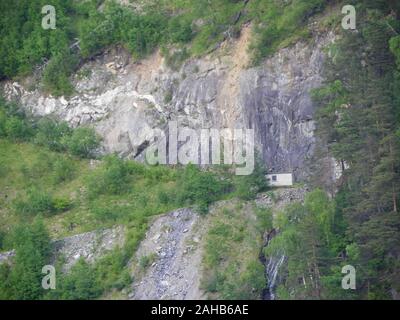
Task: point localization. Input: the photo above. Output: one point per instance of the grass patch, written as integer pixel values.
(232, 269)
(147, 261)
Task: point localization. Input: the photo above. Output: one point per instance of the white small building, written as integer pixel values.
(280, 179)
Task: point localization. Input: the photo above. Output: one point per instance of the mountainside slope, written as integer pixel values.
(126, 100)
(323, 101)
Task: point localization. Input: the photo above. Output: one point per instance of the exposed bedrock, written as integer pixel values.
(125, 100)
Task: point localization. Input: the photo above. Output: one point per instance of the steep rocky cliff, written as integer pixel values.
(126, 99)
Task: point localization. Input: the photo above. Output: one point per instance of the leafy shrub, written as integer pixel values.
(200, 188)
(39, 167)
(1, 240)
(104, 212)
(146, 261)
(111, 270)
(57, 136)
(40, 202)
(13, 122)
(155, 173)
(264, 217)
(79, 284)
(83, 142)
(112, 177)
(61, 204)
(140, 33)
(247, 187)
(37, 202)
(96, 33)
(57, 72)
(63, 170)
(232, 269)
(395, 48)
(17, 129)
(50, 133)
(164, 197)
(180, 29)
(3, 119)
(234, 285)
(250, 284)
(88, 281)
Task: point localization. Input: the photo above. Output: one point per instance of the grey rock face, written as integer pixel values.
(281, 198)
(278, 106)
(126, 100)
(6, 257)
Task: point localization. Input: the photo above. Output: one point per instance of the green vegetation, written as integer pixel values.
(310, 237)
(57, 72)
(50, 134)
(358, 123)
(201, 188)
(79, 284)
(18, 126)
(84, 281)
(247, 187)
(82, 142)
(25, 44)
(113, 177)
(281, 23)
(193, 27)
(232, 269)
(88, 281)
(39, 202)
(146, 261)
(24, 280)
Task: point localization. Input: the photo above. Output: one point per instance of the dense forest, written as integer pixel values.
(354, 223)
(358, 121)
